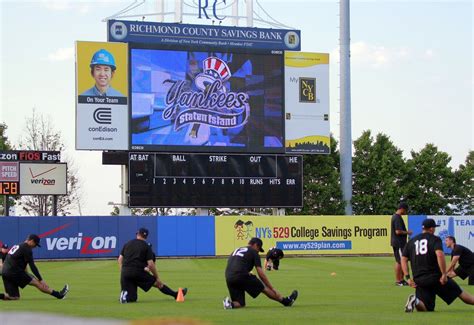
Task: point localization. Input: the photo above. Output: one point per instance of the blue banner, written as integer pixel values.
(203, 35)
(99, 237)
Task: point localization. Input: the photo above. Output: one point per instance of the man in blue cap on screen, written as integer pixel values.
(102, 70)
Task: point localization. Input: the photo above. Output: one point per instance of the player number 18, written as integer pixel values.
(421, 247)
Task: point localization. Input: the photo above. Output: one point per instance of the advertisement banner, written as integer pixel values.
(461, 227)
(43, 179)
(203, 35)
(102, 96)
(310, 235)
(307, 103)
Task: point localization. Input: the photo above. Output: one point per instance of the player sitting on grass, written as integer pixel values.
(136, 262)
(272, 260)
(240, 280)
(14, 271)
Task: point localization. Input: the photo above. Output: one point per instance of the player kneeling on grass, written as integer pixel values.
(272, 260)
(240, 280)
(136, 262)
(14, 273)
(428, 264)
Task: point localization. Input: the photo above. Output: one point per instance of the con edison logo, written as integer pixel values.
(103, 115)
(118, 30)
(307, 90)
(80, 242)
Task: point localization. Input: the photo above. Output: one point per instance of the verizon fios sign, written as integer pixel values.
(43, 179)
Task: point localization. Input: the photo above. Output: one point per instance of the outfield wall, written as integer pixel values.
(173, 236)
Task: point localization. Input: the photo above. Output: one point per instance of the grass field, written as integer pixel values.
(361, 292)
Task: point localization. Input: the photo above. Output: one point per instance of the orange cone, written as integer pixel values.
(180, 297)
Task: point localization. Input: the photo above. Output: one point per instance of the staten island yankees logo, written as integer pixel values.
(82, 243)
(244, 230)
(209, 102)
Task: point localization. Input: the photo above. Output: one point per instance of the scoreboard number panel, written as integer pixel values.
(215, 180)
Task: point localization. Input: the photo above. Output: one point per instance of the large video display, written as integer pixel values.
(206, 101)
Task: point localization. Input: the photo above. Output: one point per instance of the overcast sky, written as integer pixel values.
(412, 73)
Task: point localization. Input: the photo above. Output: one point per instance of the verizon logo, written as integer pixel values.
(42, 181)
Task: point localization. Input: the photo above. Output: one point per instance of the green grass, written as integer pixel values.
(362, 292)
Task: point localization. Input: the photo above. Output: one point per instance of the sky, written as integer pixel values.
(411, 71)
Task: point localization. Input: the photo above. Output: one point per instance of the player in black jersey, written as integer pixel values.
(240, 280)
(14, 271)
(428, 264)
(136, 260)
(398, 240)
(464, 256)
(272, 260)
(3, 254)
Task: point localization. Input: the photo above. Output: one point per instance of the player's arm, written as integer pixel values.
(120, 261)
(406, 271)
(442, 265)
(454, 261)
(152, 267)
(263, 277)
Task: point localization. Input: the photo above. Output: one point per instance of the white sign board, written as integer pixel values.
(307, 103)
(43, 179)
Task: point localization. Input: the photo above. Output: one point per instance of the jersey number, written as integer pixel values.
(421, 247)
(13, 249)
(240, 251)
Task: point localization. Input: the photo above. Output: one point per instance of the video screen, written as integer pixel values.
(206, 101)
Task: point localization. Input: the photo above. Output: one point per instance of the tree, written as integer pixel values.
(429, 182)
(4, 146)
(40, 135)
(378, 168)
(463, 201)
(321, 184)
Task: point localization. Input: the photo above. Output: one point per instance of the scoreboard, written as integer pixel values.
(215, 180)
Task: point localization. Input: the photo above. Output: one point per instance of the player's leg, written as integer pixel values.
(12, 291)
(45, 289)
(128, 288)
(276, 264)
(467, 298)
(423, 300)
(397, 253)
(237, 294)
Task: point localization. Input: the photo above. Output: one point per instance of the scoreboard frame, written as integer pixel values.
(205, 180)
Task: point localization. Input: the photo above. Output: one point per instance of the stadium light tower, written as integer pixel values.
(345, 105)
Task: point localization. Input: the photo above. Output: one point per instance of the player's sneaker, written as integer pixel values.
(269, 268)
(185, 291)
(410, 305)
(293, 297)
(64, 291)
(123, 297)
(401, 283)
(227, 303)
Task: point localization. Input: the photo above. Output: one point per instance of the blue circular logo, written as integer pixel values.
(292, 40)
(118, 30)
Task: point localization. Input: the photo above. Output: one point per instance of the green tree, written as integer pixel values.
(321, 184)
(463, 202)
(4, 143)
(378, 168)
(4, 146)
(429, 183)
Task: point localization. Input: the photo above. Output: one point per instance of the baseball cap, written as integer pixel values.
(143, 231)
(257, 241)
(4, 246)
(403, 205)
(34, 238)
(429, 223)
